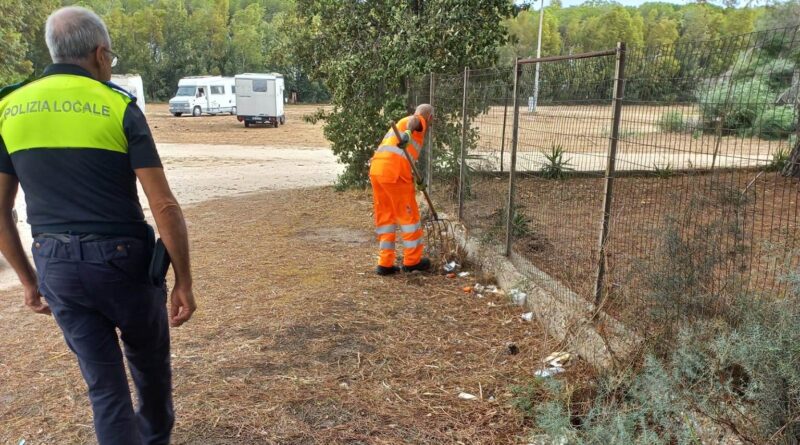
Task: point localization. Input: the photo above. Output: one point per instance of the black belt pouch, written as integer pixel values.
(159, 263)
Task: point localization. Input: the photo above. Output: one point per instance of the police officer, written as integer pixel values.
(77, 144)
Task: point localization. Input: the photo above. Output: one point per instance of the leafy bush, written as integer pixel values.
(736, 103)
(672, 121)
(775, 123)
(521, 225)
(745, 376)
(556, 166)
(779, 160)
(727, 363)
(663, 171)
(777, 72)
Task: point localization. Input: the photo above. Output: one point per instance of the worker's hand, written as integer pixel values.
(404, 138)
(33, 299)
(181, 305)
(421, 186)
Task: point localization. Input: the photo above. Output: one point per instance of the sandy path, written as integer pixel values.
(198, 172)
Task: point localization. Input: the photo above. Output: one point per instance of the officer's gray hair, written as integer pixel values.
(72, 33)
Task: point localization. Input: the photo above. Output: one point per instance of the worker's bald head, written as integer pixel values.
(425, 110)
(73, 33)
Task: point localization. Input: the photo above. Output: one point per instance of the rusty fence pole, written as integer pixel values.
(512, 171)
(619, 94)
(462, 172)
(429, 169)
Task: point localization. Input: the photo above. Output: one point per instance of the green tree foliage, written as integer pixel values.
(164, 40)
(523, 32)
(13, 64)
(616, 24)
(21, 31)
(779, 15)
(247, 44)
(659, 30)
(367, 52)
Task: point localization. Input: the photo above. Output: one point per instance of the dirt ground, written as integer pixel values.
(562, 218)
(296, 341)
(225, 129)
(580, 129)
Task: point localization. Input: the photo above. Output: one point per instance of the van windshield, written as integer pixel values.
(185, 91)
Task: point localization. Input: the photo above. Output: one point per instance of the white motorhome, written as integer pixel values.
(131, 83)
(259, 99)
(204, 94)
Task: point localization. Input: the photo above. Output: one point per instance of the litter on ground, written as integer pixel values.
(518, 297)
(451, 266)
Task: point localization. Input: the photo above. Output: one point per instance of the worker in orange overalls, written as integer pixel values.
(394, 195)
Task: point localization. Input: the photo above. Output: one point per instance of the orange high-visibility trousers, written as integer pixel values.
(395, 207)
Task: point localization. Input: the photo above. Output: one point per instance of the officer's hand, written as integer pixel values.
(181, 306)
(33, 299)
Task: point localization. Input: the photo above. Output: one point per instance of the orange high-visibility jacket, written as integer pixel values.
(389, 164)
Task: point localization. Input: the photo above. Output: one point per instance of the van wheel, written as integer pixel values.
(177, 114)
(233, 111)
(246, 124)
(197, 111)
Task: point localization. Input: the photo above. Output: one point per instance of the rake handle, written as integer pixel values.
(415, 172)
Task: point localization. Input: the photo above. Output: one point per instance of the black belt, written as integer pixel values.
(142, 230)
(84, 238)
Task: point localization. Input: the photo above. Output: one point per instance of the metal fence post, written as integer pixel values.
(513, 169)
(429, 170)
(463, 167)
(619, 94)
(503, 133)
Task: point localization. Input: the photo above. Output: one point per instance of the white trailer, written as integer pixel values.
(260, 99)
(204, 95)
(131, 83)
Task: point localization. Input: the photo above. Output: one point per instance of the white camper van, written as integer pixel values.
(206, 94)
(131, 83)
(260, 99)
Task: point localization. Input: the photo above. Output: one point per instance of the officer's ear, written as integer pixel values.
(98, 56)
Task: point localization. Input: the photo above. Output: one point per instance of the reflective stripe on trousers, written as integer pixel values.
(395, 204)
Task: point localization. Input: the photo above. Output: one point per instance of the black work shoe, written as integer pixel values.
(424, 264)
(383, 271)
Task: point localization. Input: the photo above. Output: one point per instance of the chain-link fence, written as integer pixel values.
(656, 182)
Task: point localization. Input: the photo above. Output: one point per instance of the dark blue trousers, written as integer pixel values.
(96, 286)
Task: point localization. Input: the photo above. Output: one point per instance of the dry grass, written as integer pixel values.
(297, 342)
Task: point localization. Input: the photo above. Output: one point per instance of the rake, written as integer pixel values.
(439, 232)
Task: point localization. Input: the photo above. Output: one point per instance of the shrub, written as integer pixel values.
(728, 363)
(556, 166)
(672, 121)
(779, 160)
(774, 123)
(737, 103)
